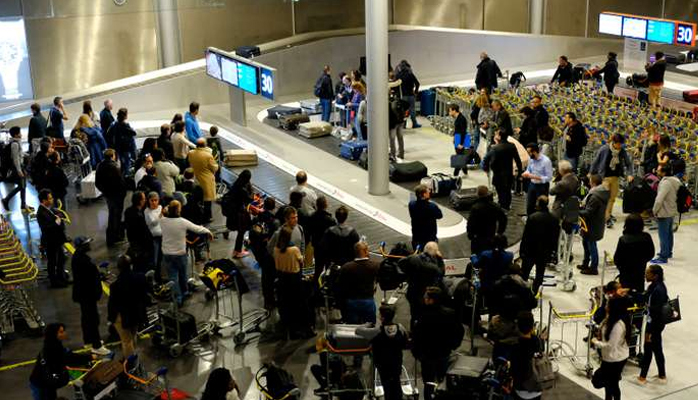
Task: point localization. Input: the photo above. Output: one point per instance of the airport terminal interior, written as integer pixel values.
(256, 199)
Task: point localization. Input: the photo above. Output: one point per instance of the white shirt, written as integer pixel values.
(152, 219)
(174, 235)
(139, 175)
(616, 348)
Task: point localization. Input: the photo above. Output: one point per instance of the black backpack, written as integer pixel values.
(684, 199)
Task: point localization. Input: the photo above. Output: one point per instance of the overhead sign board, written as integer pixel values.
(240, 72)
(656, 30)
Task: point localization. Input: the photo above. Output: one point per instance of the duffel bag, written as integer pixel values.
(277, 111)
(442, 184)
(407, 172)
(464, 199)
(290, 122)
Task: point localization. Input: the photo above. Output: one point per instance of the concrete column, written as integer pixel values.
(169, 44)
(238, 110)
(377, 97)
(536, 13)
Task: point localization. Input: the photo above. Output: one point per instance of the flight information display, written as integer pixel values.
(610, 24)
(660, 31)
(240, 72)
(213, 65)
(635, 28)
(230, 71)
(15, 73)
(248, 78)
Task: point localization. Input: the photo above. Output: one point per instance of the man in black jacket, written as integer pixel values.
(460, 132)
(137, 232)
(575, 139)
(340, 238)
(540, 116)
(487, 73)
(111, 183)
(356, 285)
(325, 92)
(423, 216)
(17, 173)
(319, 222)
(563, 73)
(435, 335)
(610, 72)
(501, 117)
(122, 138)
(165, 143)
(499, 161)
(127, 304)
(539, 241)
(106, 118)
(37, 126)
(655, 77)
(52, 238)
(87, 291)
(409, 88)
(486, 219)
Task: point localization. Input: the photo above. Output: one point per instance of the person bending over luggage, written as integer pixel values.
(592, 212)
(424, 270)
(461, 141)
(387, 343)
(656, 297)
(423, 216)
(221, 386)
(538, 242)
(486, 220)
(356, 285)
(526, 385)
(128, 298)
(435, 335)
(540, 173)
(615, 334)
(340, 238)
(563, 73)
(263, 227)
(50, 373)
(634, 250)
(499, 160)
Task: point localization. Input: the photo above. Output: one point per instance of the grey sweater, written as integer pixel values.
(665, 202)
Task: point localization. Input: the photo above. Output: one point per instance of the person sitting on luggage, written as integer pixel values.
(526, 384)
(221, 386)
(493, 264)
(356, 285)
(423, 216)
(435, 335)
(634, 250)
(423, 270)
(461, 141)
(566, 187)
(387, 343)
(486, 219)
(538, 242)
(563, 73)
(341, 238)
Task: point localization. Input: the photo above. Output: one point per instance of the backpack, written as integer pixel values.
(317, 90)
(279, 382)
(684, 199)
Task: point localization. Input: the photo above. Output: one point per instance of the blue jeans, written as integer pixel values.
(326, 105)
(359, 311)
(126, 162)
(665, 229)
(413, 115)
(591, 253)
(177, 270)
(535, 190)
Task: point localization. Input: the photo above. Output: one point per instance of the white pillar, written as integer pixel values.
(377, 97)
(169, 47)
(536, 13)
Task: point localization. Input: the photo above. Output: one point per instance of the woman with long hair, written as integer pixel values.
(238, 217)
(613, 343)
(96, 144)
(288, 260)
(221, 386)
(656, 296)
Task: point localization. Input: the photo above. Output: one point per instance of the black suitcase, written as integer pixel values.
(464, 199)
(407, 172)
(465, 373)
(187, 325)
(290, 122)
(248, 51)
(277, 111)
(638, 197)
(343, 339)
(363, 159)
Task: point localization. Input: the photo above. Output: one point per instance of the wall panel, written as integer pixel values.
(506, 15)
(323, 15)
(682, 10)
(565, 17)
(462, 14)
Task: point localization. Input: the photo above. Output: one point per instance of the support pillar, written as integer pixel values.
(536, 13)
(377, 97)
(238, 110)
(169, 44)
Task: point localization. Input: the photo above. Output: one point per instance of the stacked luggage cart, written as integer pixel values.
(18, 275)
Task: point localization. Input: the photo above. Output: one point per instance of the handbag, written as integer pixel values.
(671, 311)
(545, 374)
(598, 379)
(459, 161)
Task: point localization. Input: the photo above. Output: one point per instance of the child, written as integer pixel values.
(388, 341)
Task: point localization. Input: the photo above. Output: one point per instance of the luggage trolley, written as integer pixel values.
(572, 225)
(342, 340)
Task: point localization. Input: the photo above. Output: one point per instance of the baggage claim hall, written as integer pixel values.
(359, 199)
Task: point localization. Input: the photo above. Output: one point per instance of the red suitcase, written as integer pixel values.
(690, 96)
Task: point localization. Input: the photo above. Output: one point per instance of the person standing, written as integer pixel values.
(461, 142)
(610, 72)
(499, 161)
(540, 173)
(56, 179)
(153, 216)
(565, 188)
(17, 173)
(122, 138)
(409, 88)
(656, 296)
(309, 195)
(205, 167)
(106, 118)
(238, 217)
(665, 210)
(181, 146)
(540, 116)
(423, 216)
(139, 238)
(165, 143)
(166, 171)
(616, 332)
(487, 73)
(87, 291)
(396, 121)
(538, 242)
(56, 116)
(37, 126)
(356, 286)
(340, 239)
(528, 133)
(634, 250)
(612, 162)
(563, 74)
(128, 298)
(500, 117)
(486, 219)
(191, 123)
(325, 92)
(655, 77)
(110, 181)
(593, 214)
(525, 383)
(52, 238)
(575, 139)
(320, 221)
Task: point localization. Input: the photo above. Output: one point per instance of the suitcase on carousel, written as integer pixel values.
(464, 199)
(240, 158)
(690, 96)
(311, 106)
(442, 184)
(277, 111)
(407, 172)
(290, 122)
(314, 129)
(351, 150)
(187, 325)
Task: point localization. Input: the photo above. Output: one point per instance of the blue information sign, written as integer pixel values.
(685, 34)
(660, 31)
(248, 78)
(266, 83)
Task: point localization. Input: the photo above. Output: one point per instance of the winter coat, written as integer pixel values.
(205, 166)
(594, 212)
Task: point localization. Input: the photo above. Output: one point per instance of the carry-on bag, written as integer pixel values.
(248, 51)
(464, 199)
(690, 96)
(343, 339)
(290, 122)
(277, 111)
(363, 159)
(465, 373)
(187, 325)
(407, 172)
(88, 189)
(638, 197)
(442, 184)
(351, 150)
(311, 106)
(240, 158)
(314, 129)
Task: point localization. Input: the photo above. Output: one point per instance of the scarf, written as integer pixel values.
(615, 157)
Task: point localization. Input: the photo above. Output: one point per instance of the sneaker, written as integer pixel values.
(589, 271)
(609, 224)
(659, 260)
(102, 351)
(640, 381)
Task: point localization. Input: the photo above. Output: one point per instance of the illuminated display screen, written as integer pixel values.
(660, 31)
(635, 28)
(248, 77)
(213, 65)
(230, 71)
(15, 74)
(610, 24)
(239, 72)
